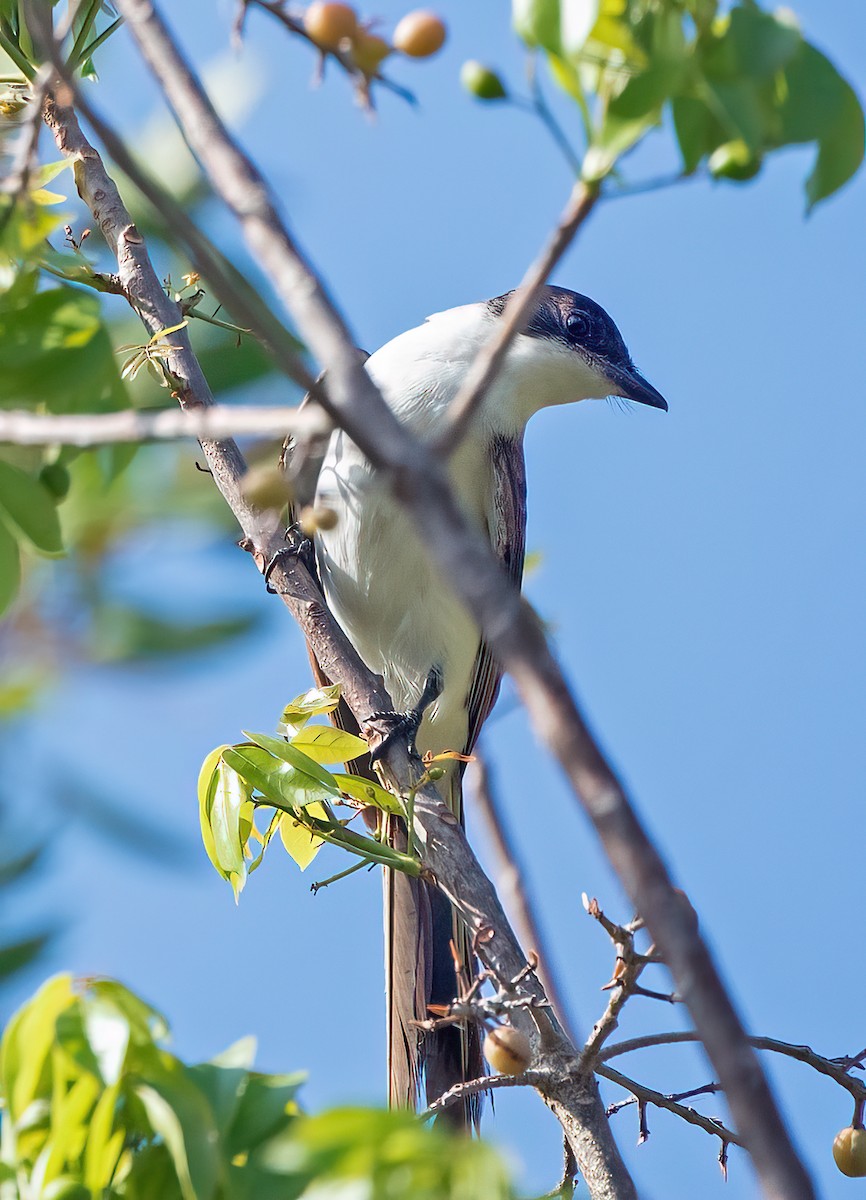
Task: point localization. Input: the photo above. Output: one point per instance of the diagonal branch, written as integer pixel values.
(512, 882)
(573, 1098)
(508, 624)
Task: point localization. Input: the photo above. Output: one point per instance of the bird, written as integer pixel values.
(409, 627)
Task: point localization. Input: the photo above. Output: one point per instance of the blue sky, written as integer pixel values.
(703, 574)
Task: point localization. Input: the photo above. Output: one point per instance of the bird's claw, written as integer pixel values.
(298, 546)
(406, 724)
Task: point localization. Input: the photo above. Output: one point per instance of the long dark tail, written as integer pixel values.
(428, 961)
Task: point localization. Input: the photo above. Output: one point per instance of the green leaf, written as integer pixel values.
(537, 22)
(819, 105)
(266, 1107)
(301, 762)
(697, 130)
(326, 744)
(299, 842)
(70, 1113)
(181, 1116)
(645, 93)
(366, 791)
(57, 352)
(103, 1147)
(10, 568)
(616, 137)
(26, 1043)
(312, 703)
(15, 956)
(223, 1080)
(739, 107)
(278, 781)
(29, 508)
(230, 796)
(122, 633)
(762, 42)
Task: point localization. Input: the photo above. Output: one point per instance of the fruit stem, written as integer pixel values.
(857, 1119)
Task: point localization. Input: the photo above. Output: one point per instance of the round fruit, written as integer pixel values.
(849, 1151)
(481, 82)
(419, 34)
(734, 160)
(330, 24)
(508, 1050)
(314, 518)
(369, 51)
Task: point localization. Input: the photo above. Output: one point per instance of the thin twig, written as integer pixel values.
(461, 1091)
(22, 428)
(647, 1095)
(512, 883)
(835, 1069)
(490, 359)
(627, 971)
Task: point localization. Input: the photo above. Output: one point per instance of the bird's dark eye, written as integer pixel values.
(577, 324)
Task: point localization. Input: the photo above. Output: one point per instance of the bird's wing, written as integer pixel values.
(506, 523)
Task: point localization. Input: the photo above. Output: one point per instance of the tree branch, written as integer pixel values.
(574, 1100)
(835, 1069)
(512, 882)
(647, 1095)
(507, 623)
(22, 428)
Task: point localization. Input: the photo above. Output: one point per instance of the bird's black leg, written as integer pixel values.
(298, 545)
(406, 723)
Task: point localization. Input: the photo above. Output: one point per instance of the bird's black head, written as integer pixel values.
(579, 324)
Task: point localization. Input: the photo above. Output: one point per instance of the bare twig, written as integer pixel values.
(461, 1091)
(705, 1089)
(624, 983)
(511, 881)
(490, 359)
(23, 428)
(836, 1069)
(511, 630)
(647, 1095)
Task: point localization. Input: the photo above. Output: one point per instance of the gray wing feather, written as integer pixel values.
(507, 529)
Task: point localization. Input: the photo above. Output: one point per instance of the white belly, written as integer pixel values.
(399, 614)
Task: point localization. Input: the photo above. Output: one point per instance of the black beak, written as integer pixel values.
(631, 384)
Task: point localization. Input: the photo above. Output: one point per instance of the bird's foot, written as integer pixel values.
(298, 545)
(396, 725)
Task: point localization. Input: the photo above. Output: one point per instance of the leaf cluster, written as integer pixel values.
(737, 84)
(286, 777)
(95, 1107)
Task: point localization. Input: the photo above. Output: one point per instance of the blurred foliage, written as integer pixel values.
(734, 83)
(94, 1105)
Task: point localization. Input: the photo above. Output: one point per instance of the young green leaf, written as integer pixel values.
(277, 781)
(302, 763)
(312, 703)
(327, 744)
(299, 842)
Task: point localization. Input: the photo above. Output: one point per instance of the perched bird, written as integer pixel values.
(408, 626)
